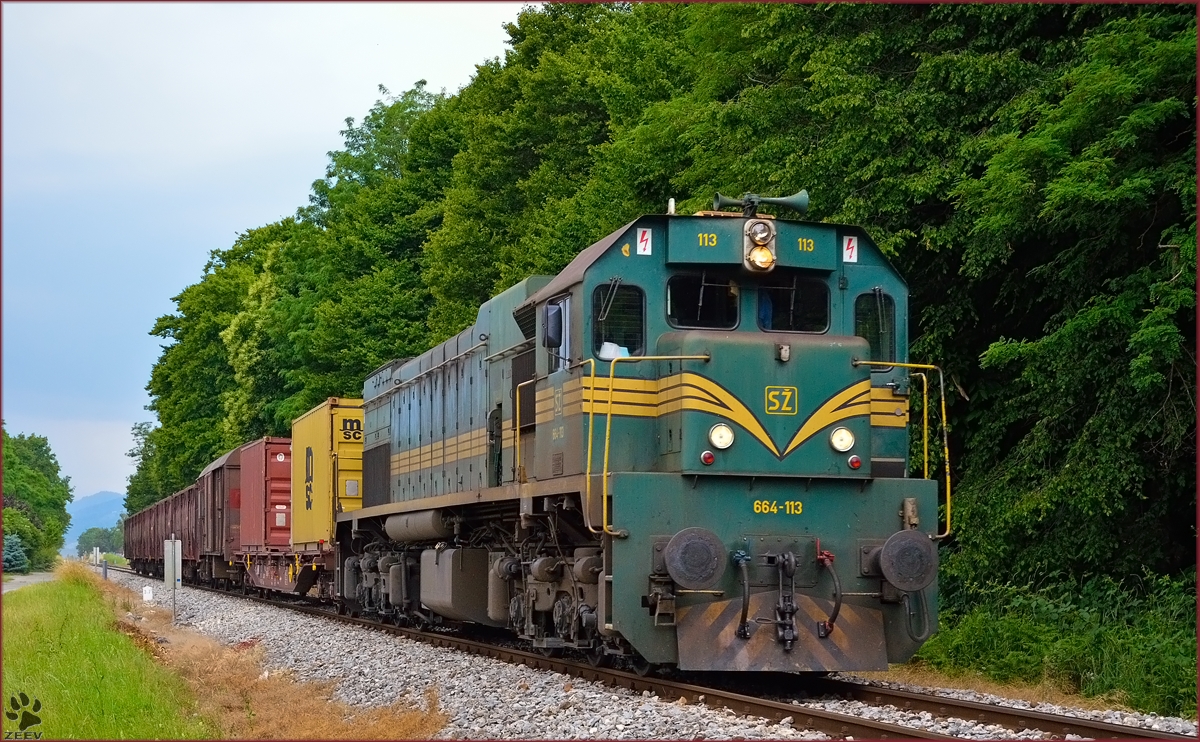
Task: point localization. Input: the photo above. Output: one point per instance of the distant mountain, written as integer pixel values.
(100, 510)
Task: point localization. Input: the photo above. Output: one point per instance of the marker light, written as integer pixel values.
(854, 462)
(761, 258)
(760, 233)
(707, 458)
(841, 439)
(721, 436)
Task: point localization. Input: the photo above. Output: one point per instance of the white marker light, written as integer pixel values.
(841, 439)
(760, 233)
(721, 436)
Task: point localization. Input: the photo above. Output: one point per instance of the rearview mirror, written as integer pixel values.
(552, 326)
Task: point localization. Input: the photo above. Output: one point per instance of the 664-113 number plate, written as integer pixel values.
(775, 507)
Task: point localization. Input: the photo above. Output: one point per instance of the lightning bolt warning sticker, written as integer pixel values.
(643, 242)
(849, 249)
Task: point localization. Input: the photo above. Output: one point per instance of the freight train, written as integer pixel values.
(690, 448)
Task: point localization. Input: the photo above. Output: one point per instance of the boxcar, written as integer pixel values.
(220, 519)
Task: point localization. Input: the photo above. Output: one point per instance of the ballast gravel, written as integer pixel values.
(487, 698)
(483, 697)
(1169, 724)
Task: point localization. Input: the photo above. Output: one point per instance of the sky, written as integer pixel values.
(139, 137)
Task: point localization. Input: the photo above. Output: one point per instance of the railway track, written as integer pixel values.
(778, 685)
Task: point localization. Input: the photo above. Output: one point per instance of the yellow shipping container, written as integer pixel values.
(327, 447)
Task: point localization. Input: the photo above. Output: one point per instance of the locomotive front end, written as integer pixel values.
(750, 428)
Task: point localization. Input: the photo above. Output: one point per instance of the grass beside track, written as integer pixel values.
(106, 665)
(61, 647)
(1132, 644)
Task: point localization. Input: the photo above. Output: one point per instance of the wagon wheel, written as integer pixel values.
(551, 652)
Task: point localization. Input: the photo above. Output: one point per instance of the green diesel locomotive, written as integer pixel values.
(689, 448)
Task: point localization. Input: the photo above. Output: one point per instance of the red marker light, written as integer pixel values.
(707, 458)
(854, 462)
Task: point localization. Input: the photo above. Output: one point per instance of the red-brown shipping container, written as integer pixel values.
(266, 484)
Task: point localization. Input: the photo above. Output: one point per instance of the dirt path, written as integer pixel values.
(29, 579)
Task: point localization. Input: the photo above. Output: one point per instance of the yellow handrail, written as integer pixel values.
(925, 413)
(612, 368)
(945, 434)
(587, 492)
(519, 472)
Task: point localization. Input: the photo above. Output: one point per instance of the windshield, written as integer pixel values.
(705, 300)
(791, 302)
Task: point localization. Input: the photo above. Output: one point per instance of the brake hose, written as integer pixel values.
(925, 633)
(741, 558)
(825, 628)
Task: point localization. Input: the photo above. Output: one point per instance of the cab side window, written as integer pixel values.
(619, 321)
(875, 321)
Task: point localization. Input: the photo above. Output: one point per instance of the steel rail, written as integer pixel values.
(988, 713)
(831, 723)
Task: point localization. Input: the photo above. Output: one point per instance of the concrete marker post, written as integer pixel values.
(172, 569)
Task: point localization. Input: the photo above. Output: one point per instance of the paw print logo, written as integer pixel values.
(28, 716)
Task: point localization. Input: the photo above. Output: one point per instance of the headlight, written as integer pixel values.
(761, 258)
(760, 233)
(721, 436)
(841, 439)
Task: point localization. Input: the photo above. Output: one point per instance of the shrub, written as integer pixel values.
(15, 559)
(1134, 641)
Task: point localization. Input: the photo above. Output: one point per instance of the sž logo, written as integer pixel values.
(26, 710)
(781, 400)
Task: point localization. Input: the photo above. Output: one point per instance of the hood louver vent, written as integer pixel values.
(526, 317)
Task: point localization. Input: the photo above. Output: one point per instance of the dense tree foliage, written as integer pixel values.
(1029, 169)
(108, 540)
(35, 497)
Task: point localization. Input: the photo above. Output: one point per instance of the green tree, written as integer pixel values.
(1029, 169)
(189, 378)
(108, 540)
(35, 496)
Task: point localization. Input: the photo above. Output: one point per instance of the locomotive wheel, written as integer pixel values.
(551, 652)
(641, 666)
(597, 657)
